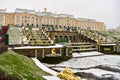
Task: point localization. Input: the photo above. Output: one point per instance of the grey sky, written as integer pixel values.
(107, 11)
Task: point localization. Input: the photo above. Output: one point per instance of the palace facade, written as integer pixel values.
(37, 19)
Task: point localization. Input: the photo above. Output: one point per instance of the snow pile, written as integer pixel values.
(44, 68)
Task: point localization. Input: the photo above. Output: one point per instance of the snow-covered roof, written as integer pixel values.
(18, 10)
(83, 19)
(92, 20)
(39, 14)
(66, 15)
(2, 10)
(24, 10)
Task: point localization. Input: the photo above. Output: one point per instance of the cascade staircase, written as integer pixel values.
(37, 37)
(82, 47)
(93, 35)
(110, 38)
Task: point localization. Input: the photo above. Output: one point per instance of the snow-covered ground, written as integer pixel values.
(48, 70)
(101, 66)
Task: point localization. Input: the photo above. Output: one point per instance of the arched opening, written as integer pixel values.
(48, 29)
(71, 39)
(61, 39)
(65, 39)
(27, 25)
(56, 39)
(32, 25)
(64, 27)
(22, 24)
(37, 25)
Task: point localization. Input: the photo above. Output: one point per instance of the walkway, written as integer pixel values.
(86, 54)
(46, 69)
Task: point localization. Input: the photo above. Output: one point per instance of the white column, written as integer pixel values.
(43, 54)
(35, 53)
(60, 52)
(114, 47)
(66, 52)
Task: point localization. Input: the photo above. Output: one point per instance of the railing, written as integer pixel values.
(47, 36)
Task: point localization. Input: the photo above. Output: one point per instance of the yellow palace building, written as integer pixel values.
(27, 17)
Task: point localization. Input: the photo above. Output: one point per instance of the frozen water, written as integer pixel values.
(98, 64)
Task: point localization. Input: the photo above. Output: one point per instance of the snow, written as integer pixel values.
(44, 68)
(97, 72)
(87, 62)
(102, 73)
(108, 44)
(84, 54)
(99, 64)
(31, 47)
(51, 78)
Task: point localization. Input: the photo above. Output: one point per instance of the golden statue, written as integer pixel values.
(67, 74)
(24, 28)
(53, 52)
(44, 29)
(59, 29)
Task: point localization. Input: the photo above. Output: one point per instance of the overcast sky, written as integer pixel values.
(107, 11)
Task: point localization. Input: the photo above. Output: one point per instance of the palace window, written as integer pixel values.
(28, 17)
(17, 16)
(25, 21)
